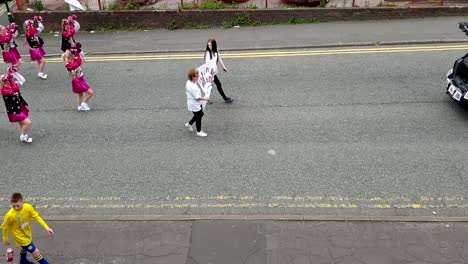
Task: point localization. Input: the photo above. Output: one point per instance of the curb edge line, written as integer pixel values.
(348, 218)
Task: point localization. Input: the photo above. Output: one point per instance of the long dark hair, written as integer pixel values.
(214, 48)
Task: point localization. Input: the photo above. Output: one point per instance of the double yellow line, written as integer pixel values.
(223, 202)
(267, 54)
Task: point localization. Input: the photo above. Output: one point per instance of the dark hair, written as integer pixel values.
(76, 49)
(16, 197)
(192, 73)
(214, 48)
(78, 46)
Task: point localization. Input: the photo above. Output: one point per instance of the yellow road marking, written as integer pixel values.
(268, 54)
(222, 201)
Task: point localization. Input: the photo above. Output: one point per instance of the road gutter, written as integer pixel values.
(136, 218)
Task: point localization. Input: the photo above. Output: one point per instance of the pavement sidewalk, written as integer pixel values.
(333, 34)
(252, 242)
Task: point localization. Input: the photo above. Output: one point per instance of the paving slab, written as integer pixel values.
(253, 242)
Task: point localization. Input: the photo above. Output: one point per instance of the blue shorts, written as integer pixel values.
(30, 248)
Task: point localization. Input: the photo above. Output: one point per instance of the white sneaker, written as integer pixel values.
(25, 138)
(202, 134)
(86, 106)
(42, 75)
(189, 127)
(81, 108)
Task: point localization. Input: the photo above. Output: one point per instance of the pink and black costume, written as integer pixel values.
(68, 36)
(16, 106)
(36, 49)
(79, 84)
(7, 43)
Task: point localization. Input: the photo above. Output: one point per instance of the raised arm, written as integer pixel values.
(40, 27)
(76, 26)
(69, 33)
(73, 65)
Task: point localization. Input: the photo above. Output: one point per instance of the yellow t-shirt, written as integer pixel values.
(19, 224)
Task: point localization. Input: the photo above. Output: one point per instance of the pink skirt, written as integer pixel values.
(37, 54)
(79, 85)
(15, 52)
(11, 56)
(14, 118)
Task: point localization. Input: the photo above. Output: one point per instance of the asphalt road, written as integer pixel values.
(339, 131)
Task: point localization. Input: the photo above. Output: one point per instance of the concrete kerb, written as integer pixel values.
(346, 218)
(320, 46)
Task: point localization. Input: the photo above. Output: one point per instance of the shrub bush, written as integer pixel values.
(38, 5)
(212, 5)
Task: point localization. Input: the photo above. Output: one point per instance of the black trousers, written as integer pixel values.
(219, 87)
(197, 116)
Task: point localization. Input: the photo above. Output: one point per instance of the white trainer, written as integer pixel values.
(81, 108)
(42, 75)
(190, 128)
(25, 138)
(86, 106)
(202, 134)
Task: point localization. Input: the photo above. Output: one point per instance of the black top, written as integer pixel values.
(35, 42)
(13, 103)
(66, 43)
(5, 45)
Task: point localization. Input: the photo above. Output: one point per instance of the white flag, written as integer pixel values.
(206, 74)
(19, 78)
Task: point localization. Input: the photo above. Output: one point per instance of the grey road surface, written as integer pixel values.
(351, 132)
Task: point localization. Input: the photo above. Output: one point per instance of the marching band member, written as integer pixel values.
(7, 43)
(36, 49)
(16, 106)
(69, 27)
(73, 63)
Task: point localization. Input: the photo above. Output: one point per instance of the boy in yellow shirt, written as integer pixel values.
(18, 222)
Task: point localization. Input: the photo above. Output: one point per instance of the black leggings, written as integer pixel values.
(197, 116)
(219, 87)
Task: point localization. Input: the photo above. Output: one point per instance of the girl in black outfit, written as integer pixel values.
(36, 49)
(69, 27)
